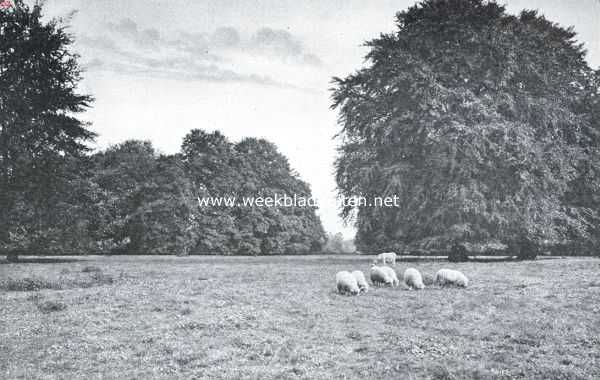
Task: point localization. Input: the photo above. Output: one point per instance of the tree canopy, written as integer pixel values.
(485, 124)
(39, 131)
(251, 168)
(129, 199)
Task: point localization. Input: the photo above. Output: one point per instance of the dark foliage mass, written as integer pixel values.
(129, 199)
(148, 203)
(485, 124)
(38, 130)
(56, 198)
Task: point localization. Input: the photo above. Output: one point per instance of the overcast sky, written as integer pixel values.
(246, 67)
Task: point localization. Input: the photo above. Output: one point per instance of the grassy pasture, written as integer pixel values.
(280, 318)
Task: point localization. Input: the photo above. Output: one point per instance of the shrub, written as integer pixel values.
(526, 250)
(458, 253)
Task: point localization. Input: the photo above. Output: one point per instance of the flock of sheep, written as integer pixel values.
(355, 282)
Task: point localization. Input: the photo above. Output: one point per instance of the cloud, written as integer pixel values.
(283, 44)
(278, 41)
(227, 37)
(125, 26)
(311, 59)
(129, 29)
(222, 55)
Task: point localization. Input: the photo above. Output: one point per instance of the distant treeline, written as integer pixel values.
(129, 199)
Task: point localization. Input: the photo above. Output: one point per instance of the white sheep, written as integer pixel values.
(392, 274)
(451, 277)
(346, 283)
(384, 275)
(380, 276)
(361, 281)
(385, 257)
(413, 279)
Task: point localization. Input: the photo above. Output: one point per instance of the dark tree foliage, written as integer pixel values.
(146, 204)
(250, 168)
(484, 124)
(129, 199)
(39, 133)
(295, 230)
(208, 161)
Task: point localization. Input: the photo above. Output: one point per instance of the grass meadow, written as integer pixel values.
(280, 318)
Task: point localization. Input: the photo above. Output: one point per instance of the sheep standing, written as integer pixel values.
(413, 279)
(385, 257)
(451, 277)
(379, 276)
(361, 281)
(346, 283)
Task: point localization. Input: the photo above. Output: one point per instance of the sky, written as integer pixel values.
(260, 68)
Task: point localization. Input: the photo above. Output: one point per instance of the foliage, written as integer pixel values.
(458, 253)
(147, 201)
(250, 168)
(336, 244)
(484, 124)
(129, 199)
(39, 132)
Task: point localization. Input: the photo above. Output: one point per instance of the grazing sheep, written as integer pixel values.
(380, 276)
(346, 283)
(392, 275)
(361, 281)
(413, 279)
(385, 257)
(451, 277)
(384, 275)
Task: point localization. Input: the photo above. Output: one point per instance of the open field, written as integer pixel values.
(279, 317)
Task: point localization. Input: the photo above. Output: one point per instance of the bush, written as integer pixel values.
(458, 253)
(526, 250)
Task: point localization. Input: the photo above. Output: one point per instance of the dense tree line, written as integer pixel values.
(57, 198)
(129, 199)
(485, 124)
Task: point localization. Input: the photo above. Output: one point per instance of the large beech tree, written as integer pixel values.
(485, 124)
(38, 128)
